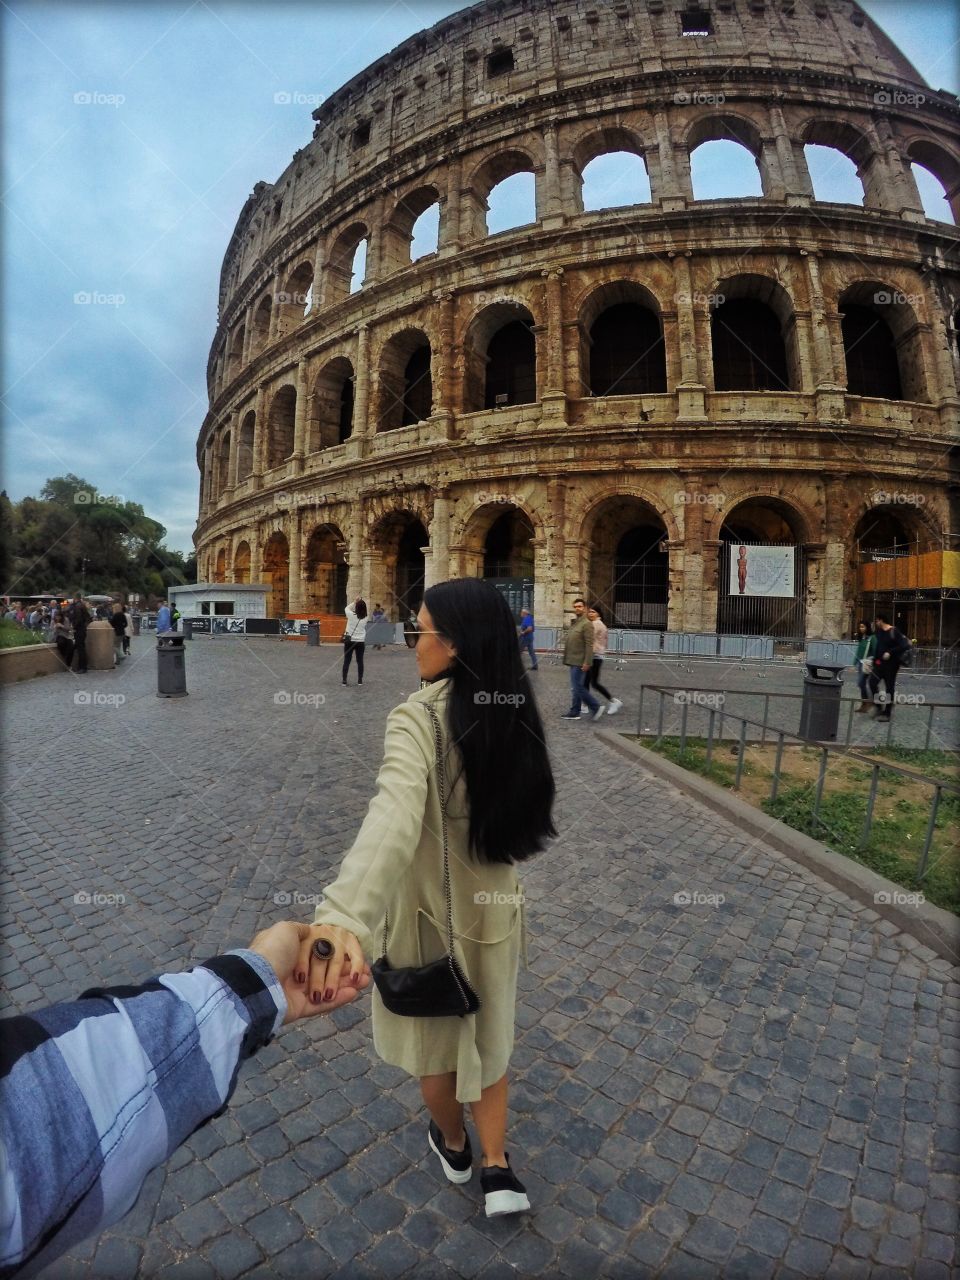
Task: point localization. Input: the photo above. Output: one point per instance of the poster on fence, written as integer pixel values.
(761, 571)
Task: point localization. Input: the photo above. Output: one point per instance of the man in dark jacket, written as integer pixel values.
(891, 647)
(79, 616)
(578, 656)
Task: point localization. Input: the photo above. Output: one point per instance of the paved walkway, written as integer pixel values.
(761, 1088)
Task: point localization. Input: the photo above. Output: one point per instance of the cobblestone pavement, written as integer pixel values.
(761, 1088)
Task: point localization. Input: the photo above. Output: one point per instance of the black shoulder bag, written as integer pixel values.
(439, 989)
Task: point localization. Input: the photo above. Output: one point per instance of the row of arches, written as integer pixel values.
(627, 560)
(754, 346)
(723, 154)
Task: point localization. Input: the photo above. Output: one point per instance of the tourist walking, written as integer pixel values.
(578, 656)
(354, 637)
(164, 618)
(888, 657)
(592, 679)
(118, 620)
(127, 633)
(378, 615)
(527, 628)
(863, 662)
(63, 639)
(79, 616)
(464, 793)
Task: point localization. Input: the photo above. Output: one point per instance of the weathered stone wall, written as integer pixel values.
(588, 80)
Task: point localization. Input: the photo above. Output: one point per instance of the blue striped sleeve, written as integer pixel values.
(97, 1092)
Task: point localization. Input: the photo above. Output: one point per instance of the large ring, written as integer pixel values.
(323, 949)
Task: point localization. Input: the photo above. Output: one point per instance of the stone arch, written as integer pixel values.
(234, 360)
(241, 562)
(764, 517)
(943, 164)
(330, 419)
(220, 566)
(882, 343)
(624, 537)
(621, 340)
(340, 262)
(276, 573)
(325, 570)
(280, 425)
(405, 382)
(245, 441)
(500, 357)
(753, 335)
(729, 127)
(398, 566)
(487, 175)
(261, 326)
(607, 140)
(295, 297)
(840, 135)
(399, 227)
(486, 550)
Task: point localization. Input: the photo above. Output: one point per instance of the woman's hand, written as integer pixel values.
(281, 945)
(345, 963)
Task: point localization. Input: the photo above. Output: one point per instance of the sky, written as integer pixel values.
(133, 134)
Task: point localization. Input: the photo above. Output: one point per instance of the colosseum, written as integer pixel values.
(616, 393)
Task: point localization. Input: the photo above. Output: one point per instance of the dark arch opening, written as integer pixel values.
(748, 347)
(511, 366)
(627, 356)
(873, 367)
(508, 546)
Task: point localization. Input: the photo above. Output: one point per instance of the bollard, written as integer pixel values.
(171, 666)
(313, 633)
(187, 624)
(135, 619)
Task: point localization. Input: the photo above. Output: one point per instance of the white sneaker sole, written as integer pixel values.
(498, 1202)
(453, 1175)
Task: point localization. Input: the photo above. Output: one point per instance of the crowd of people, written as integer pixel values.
(65, 622)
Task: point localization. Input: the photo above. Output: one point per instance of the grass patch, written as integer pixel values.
(13, 636)
(900, 816)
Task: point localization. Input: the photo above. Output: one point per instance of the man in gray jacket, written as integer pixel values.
(578, 656)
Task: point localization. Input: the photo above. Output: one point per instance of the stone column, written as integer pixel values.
(318, 280)
(553, 396)
(449, 239)
(234, 450)
(774, 186)
(361, 425)
(710, 585)
(300, 416)
(551, 211)
(259, 437)
(445, 389)
(798, 189)
(899, 175)
(276, 285)
(295, 541)
(677, 575)
(549, 573)
(815, 620)
(436, 568)
(676, 187)
(691, 390)
(943, 361)
(247, 335)
(355, 551)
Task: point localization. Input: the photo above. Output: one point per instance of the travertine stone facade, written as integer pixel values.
(355, 439)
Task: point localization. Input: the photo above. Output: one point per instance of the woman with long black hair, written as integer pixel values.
(465, 766)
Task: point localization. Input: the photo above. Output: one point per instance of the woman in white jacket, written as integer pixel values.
(354, 637)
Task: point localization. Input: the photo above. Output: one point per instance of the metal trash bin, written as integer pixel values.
(313, 633)
(136, 624)
(820, 708)
(187, 624)
(171, 666)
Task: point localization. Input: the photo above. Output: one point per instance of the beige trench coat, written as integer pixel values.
(395, 866)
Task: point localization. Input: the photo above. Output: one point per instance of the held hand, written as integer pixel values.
(586, 666)
(344, 963)
(280, 946)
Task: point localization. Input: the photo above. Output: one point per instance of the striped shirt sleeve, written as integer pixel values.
(96, 1092)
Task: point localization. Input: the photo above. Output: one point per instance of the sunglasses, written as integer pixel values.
(417, 631)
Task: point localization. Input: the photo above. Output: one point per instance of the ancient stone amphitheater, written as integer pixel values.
(610, 398)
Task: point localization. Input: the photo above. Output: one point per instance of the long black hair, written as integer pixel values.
(494, 722)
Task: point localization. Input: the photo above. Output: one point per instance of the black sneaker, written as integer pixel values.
(457, 1165)
(503, 1191)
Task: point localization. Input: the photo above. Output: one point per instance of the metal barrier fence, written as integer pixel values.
(781, 735)
(622, 641)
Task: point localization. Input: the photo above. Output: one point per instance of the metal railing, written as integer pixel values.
(782, 735)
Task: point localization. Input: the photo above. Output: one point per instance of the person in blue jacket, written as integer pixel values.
(96, 1092)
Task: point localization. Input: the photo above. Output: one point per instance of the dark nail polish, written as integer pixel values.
(328, 994)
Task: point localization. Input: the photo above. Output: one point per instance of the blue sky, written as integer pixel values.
(133, 135)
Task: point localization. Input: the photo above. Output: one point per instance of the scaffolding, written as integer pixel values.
(919, 590)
